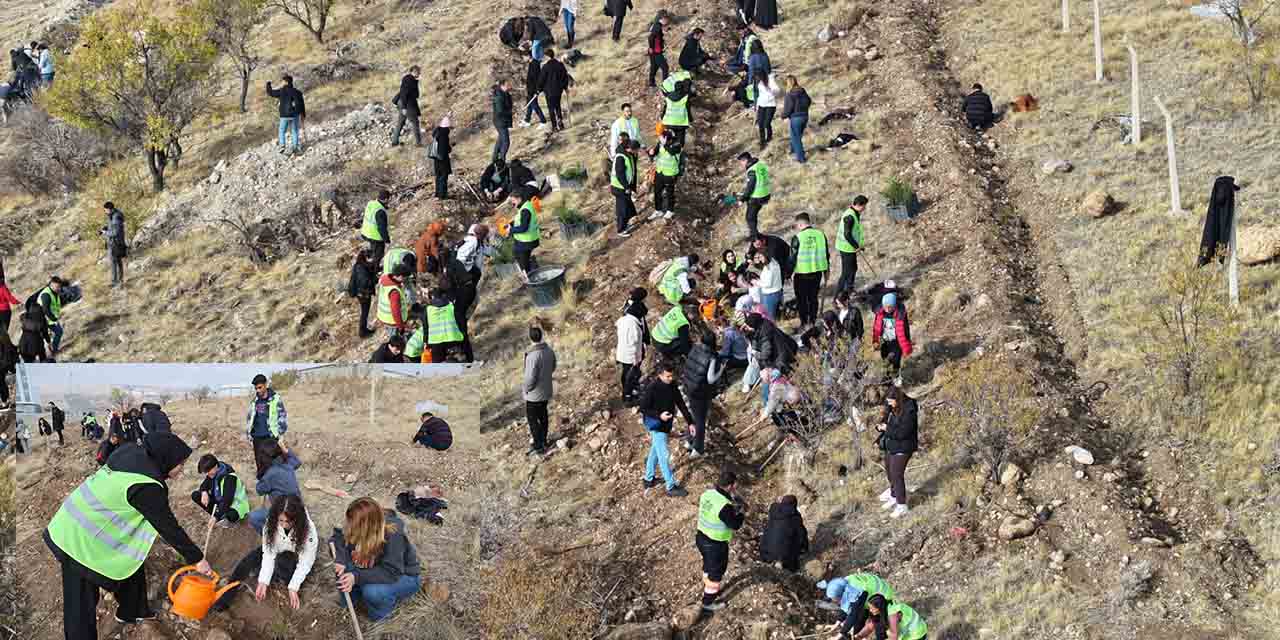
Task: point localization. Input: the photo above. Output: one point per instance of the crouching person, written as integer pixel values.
(785, 537)
(287, 553)
(376, 562)
(221, 493)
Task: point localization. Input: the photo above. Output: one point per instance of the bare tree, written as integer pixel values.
(236, 26)
(1246, 18)
(201, 394)
(994, 414)
(312, 14)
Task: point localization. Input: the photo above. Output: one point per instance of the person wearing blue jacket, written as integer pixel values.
(277, 472)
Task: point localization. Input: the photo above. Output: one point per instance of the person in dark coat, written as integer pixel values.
(503, 115)
(361, 286)
(785, 537)
(433, 433)
(795, 110)
(407, 102)
(512, 32)
(978, 110)
(391, 352)
(693, 56)
(59, 419)
(532, 87)
(702, 369)
(899, 439)
(766, 13)
(441, 162)
(555, 81)
(618, 10)
(746, 11)
(35, 335)
(658, 48)
(8, 364)
(293, 112)
(154, 419)
(540, 36)
(117, 247)
(775, 247)
(1217, 220)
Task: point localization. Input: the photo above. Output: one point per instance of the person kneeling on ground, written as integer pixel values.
(433, 433)
(221, 494)
(785, 537)
(851, 593)
(893, 620)
(376, 562)
(287, 553)
(391, 352)
(978, 110)
(108, 447)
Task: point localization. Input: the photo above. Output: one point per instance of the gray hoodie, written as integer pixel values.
(539, 364)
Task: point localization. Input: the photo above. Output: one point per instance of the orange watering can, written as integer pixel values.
(196, 593)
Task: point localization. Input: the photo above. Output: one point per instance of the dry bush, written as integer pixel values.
(283, 380)
(849, 15)
(832, 383)
(127, 188)
(994, 414)
(533, 598)
(49, 157)
(420, 618)
(201, 394)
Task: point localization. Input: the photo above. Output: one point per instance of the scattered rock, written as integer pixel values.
(1098, 204)
(826, 34)
(815, 569)
(1058, 556)
(215, 178)
(646, 631)
(350, 478)
(1012, 475)
(595, 443)
(871, 54)
(1079, 474)
(1252, 446)
(1108, 477)
(683, 620)
(758, 631)
(859, 146)
(1056, 166)
(438, 592)
(1080, 455)
(1014, 527)
(1148, 541)
(562, 443)
(1258, 244)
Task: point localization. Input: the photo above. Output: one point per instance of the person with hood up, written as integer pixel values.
(117, 248)
(537, 388)
(276, 469)
(702, 370)
(1216, 236)
(361, 286)
(154, 418)
(104, 531)
(852, 593)
(442, 164)
(658, 47)
(785, 537)
(406, 101)
(502, 117)
(376, 563)
(293, 112)
(266, 419)
(633, 336)
(692, 55)
(891, 333)
(978, 110)
(221, 494)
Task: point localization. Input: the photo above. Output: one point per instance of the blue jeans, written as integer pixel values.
(659, 457)
(381, 599)
(771, 302)
(535, 50)
(55, 330)
(285, 125)
(258, 519)
(569, 20)
(798, 123)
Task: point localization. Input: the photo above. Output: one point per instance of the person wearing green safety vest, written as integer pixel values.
(441, 327)
(393, 302)
(668, 166)
(849, 242)
(622, 183)
(676, 114)
(852, 593)
(221, 493)
(720, 513)
(375, 228)
(675, 283)
(50, 301)
(524, 229)
(267, 419)
(399, 256)
(105, 528)
(671, 334)
(811, 261)
(757, 191)
(892, 620)
(415, 346)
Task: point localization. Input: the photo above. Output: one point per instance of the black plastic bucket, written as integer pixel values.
(546, 284)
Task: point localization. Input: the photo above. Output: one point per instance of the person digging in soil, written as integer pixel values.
(131, 492)
(852, 594)
(376, 563)
(676, 282)
(277, 473)
(286, 555)
(221, 494)
(693, 56)
(433, 433)
(657, 405)
(671, 334)
(892, 620)
(720, 513)
(108, 447)
(785, 537)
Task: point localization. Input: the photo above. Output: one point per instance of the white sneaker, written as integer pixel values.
(524, 123)
(668, 215)
(887, 495)
(655, 215)
(891, 503)
(694, 455)
(899, 511)
(542, 125)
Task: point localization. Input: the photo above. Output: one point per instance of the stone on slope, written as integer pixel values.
(1098, 204)
(1014, 527)
(1012, 475)
(645, 631)
(1051, 167)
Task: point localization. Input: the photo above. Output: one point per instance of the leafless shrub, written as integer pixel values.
(832, 380)
(1134, 583)
(201, 394)
(994, 414)
(311, 14)
(46, 156)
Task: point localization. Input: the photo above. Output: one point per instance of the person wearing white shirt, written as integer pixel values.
(288, 551)
(766, 107)
(569, 13)
(626, 123)
(770, 284)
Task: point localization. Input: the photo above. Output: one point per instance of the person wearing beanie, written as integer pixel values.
(391, 352)
(891, 333)
(851, 593)
(105, 528)
(439, 154)
(267, 418)
(785, 537)
(633, 337)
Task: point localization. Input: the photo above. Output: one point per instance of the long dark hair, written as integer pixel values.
(265, 453)
(291, 506)
(899, 398)
(882, 620)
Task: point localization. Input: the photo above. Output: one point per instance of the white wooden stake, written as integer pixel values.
(1097, 41)
(1066, 16)
(1233, 265)
(1175, 194)
(373, 395)
(1135, 107)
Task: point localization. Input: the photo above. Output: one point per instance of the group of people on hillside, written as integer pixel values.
(40, 318)
(33, 69)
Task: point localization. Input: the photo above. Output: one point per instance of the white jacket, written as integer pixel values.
(306, 556)
(622, 125)
(570, 5)
(771, 277)
(767, 93)
(630, 340)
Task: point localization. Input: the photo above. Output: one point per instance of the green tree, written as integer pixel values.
(236, 26)
(140, 75)
(312, 14)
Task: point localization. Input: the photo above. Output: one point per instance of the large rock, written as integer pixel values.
(646, 631)
(685, 618)
(1051, 167)
(1098, 204)
(1080, 455)
(1012, 475)
(1258, 244)
(1014, 527)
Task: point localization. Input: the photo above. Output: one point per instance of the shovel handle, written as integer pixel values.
(351, 609)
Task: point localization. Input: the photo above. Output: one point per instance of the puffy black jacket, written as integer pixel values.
(692, 55)
(978, 110)
(407, 98)
(785, 537)
(538, 30)
(901, 431)
(696, 365)
(532, 79)
(363, 280)
(555, 78)
(502, 108)
(797, 102)
(434, 433)
(154, 419)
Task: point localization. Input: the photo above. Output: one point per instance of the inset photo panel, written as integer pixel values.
(248, 501)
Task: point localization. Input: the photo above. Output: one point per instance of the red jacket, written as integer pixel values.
(7, 301)
(899, 327)
(394, 297)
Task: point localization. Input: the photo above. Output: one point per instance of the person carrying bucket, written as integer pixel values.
(104, 530)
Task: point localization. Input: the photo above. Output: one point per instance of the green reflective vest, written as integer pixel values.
(762, 181)
(669, 84)
(90, 420)
(629, 165)
(666, 163)
(273, 415)
(911, 626)
(669, 327)
(746, 47)
(812, 257)
(709, 522)
(54, 312)
(871, 584)
(677, 113)
(384, 305)
(532, 234)
(97, 527)
(241, 502)
(842, 245)
(669, 286)
(393, 258)
(413, 348)
(370, 227)
(442, 326)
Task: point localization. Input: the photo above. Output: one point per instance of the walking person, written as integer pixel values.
(617, 9)
(221, 494)
(767, 91)
(633, 337)
(812, 262)
(361, 286)
(266, 419)
(285, 556)
(555, 82)
(849, 242)
(375, 228)
(59, 419)
(658, 405)
(276, 470)
(720, 513)
(539, 367)
(406, 101)
(622, 184)
(702, 370)
(8, 303)
(532, 88)
(757, 191)
(658, 48)
(668, 166)
(376, 563)
(293, 112)
(899, 439)
(626, 123)
(569, 14)
(442, 165)
(502, 117)
(795, 110)
(891, 333)
(117, 248)
(9, 359)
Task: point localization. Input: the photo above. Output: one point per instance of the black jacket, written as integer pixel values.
(900, 434)
(696, 365)
(228, 482)
(155, 419)
(774, 348)
(660, 397)
(59, 418)
(978, 110)
(692, 55)
(620, 172)
(797, 102)
(657, 39)
(785, 537)
(532, 79)
(363, 281)
(291, 102)
(538, 30)
(779, 250)
(502, 108)
(398, 558)
(407, 98)
(509, 34)
(434, 433)
(1217, 220)
(618, 8)
(555, 78)
(443, 164)
(383, 355)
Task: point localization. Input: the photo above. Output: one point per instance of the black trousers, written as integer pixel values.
(536, 412)
(556, 111)
(895, 467)
(440, 351)
(808, 287)
(624, 208)
(664, 192)
(678, 131)
(892, 353)
(630, 380)
(4, 390)
(57, 431)
(231, 516)
(366, 302)
(764, 123)
(467, 295)
(377, 249)
(617, 27)
(80, 598)
(286, 564)
(656, 62)
(754, 205)
(5, 316)
(524, 258)
(848, 269)
(700, 407)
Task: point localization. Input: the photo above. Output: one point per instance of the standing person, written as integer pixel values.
(428, 246)
(9, 359)
(267, 419)
(293, 112)
(406, 102)
(891, 333)
(539, 366)
(221, 494)
(622, 184)
(286, 555)
(556, 82)
(375, 227)
(117, 248)
(45, 63)
(7, 304)
(658, 405)
(668, 166)
(441, 163)
(758, 66)
(376, 563)
(276, 468)
(626, 123)
(471, 253)
(720, 513)
(812, 262)
(767, 91)
(361, 286)
(702, 369)
(525, 230)
(533, 87)
(22, 438)
(849, 243)
(130, 491)
(35, 334)
(677, 88)
(658, 48)
(851, 594)
(462, 295)
(785, 537)
(893, 620)
(756, 193)
(766, 13)
(795, 110)
(393, 302)
(617, 9)
(502, 117)
(978, 110)
(899, 439)
(59, 419)
(692, 55)
(770, 283)
(50, 300)
(743, 54)
(442, 329)
(569, 14)
(633, 336)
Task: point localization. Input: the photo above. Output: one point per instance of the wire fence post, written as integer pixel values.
(1135, 105)
(1175, 194)
(1097, 41)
